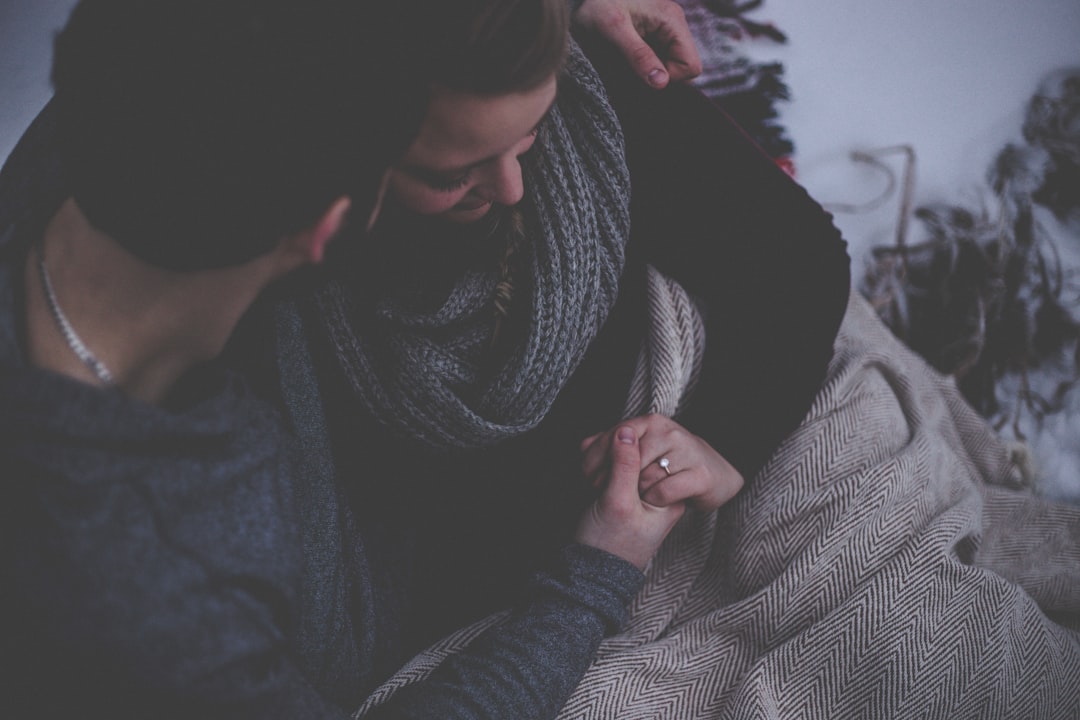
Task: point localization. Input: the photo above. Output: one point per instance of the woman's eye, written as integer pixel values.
(448, 184)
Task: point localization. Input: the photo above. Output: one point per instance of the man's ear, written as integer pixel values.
(311, 243)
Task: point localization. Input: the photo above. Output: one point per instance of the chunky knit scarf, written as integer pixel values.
(420, 356)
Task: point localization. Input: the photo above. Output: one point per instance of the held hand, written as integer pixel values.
(696, 474)
(619, 521)
(652, 35)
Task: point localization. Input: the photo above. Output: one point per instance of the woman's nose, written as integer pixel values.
(504, 183)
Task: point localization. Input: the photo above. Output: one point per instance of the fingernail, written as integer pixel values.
(626, 435)
(657, 77)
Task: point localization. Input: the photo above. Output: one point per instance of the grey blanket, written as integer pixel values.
(883, 564)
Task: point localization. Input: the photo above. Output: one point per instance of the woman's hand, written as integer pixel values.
(651, 34)
(696, 474)
(619, 521)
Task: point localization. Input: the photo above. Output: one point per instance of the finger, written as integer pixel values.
(625, 465)
(598, 476)
(687, 486)
(678, 49)
(642, 58)
(661, 437)
(596, 462)
(656, 442)
(587, 442)
(597, 455)
(682, 61)
(651, 470)
(658, 426)
(651, 475)
(653, 433)
(702, 490)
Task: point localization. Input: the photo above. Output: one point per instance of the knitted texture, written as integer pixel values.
(151, 555)
(879, 566)
(427, 370)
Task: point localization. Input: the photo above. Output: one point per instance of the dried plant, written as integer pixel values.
(987, 292)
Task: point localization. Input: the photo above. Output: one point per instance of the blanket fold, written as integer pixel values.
(874, 568)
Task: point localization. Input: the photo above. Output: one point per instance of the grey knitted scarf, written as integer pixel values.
(420, 356)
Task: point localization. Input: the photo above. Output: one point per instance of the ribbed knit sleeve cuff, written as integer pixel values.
(596, 579)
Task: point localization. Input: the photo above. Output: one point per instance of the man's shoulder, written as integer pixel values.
(32, 175)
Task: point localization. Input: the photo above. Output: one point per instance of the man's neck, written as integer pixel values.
(146, 325)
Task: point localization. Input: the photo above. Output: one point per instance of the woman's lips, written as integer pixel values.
(473, 204)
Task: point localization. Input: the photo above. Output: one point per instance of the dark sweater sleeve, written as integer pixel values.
(527, 667)
(764, 260)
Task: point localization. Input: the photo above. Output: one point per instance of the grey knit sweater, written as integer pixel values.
(152, 554)
(166, 562)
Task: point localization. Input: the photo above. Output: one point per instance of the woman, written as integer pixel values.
(409, 526)
(402, 556)
(455, 424)
(476, 344)
(472, 319)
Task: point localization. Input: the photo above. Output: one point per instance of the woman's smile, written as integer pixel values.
(466, 157)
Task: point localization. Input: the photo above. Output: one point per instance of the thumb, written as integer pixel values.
(642, 58)
(625, 463)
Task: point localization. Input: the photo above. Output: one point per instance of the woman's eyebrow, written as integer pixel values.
(423, 171)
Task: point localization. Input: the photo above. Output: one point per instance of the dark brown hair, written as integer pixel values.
(494, 47)
(196, 133)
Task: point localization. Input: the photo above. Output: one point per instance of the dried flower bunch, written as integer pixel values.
(988, 294)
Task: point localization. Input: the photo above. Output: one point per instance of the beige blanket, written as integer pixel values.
(884, 564)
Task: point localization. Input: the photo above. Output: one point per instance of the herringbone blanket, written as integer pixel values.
(882, 565)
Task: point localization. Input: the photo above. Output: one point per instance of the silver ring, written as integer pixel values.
(664, 463)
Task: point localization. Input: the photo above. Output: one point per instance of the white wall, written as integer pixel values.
(27, 28)
(950, 77)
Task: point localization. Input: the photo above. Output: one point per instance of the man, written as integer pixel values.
(206, 148)
(197, 152)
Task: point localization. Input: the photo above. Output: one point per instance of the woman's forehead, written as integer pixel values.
(462, 129)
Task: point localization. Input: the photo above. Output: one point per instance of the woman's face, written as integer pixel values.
(466, 155)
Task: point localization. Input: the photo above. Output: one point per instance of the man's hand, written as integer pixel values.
(619, 521)
(694, 473)
(651, 34)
